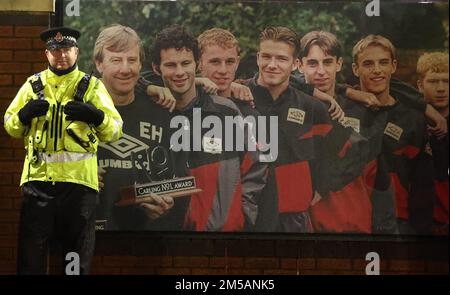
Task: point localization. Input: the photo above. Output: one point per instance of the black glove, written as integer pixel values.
(86, 112)
(34, 108)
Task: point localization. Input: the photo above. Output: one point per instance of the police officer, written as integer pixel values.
(62, 114)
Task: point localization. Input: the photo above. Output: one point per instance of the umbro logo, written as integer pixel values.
(125, 146)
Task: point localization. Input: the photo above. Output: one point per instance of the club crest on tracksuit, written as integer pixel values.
(212, 145)
(352, 122)
(393, 131)
(296, 116)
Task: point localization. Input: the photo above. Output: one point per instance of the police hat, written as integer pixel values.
(60, 37)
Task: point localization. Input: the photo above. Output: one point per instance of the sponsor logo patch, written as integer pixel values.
(212, 145)
(296, 116)
(393, 131)
(352, 122)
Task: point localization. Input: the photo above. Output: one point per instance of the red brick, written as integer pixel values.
(17, 203)
(209, 271)
(334, 264)
(15, 68)
(231, 262)
(20, 79)
(19, 154)
(6, 80)
(6, 229)
(6, 31)
(9, 191)
(105, 271)
(7, 241)
(119, 260)
(173, 271)
(38, 67)
(6, 154)
(6, 254)
(259, 262)
(245, 271)
(16, 178)
(160, 261)
(437, 267)
(10, 142)
(195, 261)
(29, 55)
(407, 265)
(137, 271)
(5, 179)
(8, 266)
(15, 43)
(280, 272)
(303, 263)
(6, 55)
(8, 92)
(28, 31)
(6, 203)
(38, 44)
(11, 166)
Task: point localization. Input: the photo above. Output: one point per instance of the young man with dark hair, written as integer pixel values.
(432, 69)
(230, 179)
(404, 138)
(361, 200)
(301, 168)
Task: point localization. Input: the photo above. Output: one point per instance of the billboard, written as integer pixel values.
(291, 161)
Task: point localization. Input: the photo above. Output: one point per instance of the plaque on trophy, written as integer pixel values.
(141, 193)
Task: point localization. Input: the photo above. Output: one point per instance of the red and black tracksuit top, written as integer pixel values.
(410, 165)
(230, 180)
(361, 199)
(439, 149)
(299, 170)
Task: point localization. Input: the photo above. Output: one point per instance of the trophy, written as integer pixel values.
(141, 192)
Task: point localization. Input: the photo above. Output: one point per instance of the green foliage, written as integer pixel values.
(246, 19)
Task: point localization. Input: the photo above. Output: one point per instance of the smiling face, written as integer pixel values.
(320, 69)
(276, 62)
(374, 67)
(177, 70)
(219, 64)
(63, 58)
(120, 70)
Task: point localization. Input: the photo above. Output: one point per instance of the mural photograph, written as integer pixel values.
(296, 117)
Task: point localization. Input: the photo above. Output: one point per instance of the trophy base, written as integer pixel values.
(141, 193)
(135, 201)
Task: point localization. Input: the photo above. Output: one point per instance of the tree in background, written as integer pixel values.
(408, 25)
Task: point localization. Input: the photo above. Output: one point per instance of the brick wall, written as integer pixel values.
(21, 54)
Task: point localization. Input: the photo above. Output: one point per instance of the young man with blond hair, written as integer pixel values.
(404, 138)
(432, 69)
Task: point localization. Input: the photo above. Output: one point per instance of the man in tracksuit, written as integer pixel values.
(299, 169)
(348, 207)
(432, 69)
(404, 138)
(230, 178)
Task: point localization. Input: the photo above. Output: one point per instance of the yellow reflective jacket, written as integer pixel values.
(53, 152)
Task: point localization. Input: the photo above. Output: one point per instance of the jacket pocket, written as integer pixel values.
(80, 137)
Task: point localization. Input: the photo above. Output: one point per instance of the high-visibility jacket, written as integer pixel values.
(53, 155)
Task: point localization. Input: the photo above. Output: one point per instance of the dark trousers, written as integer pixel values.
(64, 211)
